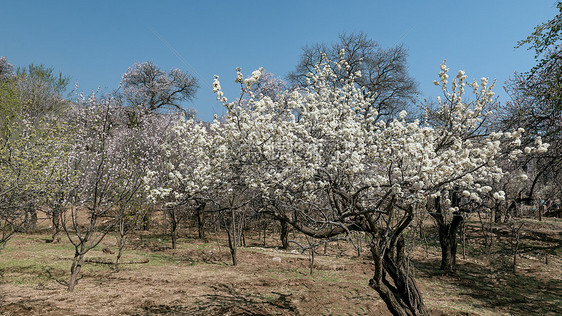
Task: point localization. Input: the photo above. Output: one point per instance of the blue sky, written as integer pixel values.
(94, 42)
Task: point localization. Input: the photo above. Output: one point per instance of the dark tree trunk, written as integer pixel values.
(401, 296)
(173, 228)
(264, 232)
(232, 240)
(232, 247)
(243, 233)
(497, 214)
(284, 234)
(510, 212)
(447, 233)
(448, 242)
(119, 254)
(200, 221)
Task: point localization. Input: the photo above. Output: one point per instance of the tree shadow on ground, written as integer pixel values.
(520, 294)
(39, 272)
(227, 299)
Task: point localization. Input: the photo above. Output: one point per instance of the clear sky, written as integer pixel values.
(94, 42)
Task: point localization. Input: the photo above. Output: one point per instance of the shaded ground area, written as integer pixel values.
(197, 279)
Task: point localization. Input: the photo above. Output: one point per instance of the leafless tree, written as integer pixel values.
(384, 72)
(147, 86)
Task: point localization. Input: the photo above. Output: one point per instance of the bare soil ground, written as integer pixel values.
(198, 279)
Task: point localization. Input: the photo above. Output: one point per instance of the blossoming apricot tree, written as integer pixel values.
(323, 162)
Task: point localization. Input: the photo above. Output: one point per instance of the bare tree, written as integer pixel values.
(147, 86)
(384, 72)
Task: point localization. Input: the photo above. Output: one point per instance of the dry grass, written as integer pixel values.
(197, 279)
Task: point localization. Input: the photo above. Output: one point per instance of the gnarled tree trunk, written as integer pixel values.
(401, 296)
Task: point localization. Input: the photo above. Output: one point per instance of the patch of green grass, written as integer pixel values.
(158, 259)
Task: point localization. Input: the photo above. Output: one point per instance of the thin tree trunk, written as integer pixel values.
(516, 245)
(463, 236)
(173, 235)
(243, 233)
(75, 270)
(120, 243)
(232, 247)
(264, 232)
(56, 225)
(232, 242)
(119, 254)
(497, 214)
(311, 260)
(173, 227)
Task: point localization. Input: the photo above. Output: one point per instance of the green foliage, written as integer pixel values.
(545, 35)
(34, 140)
(45, 78)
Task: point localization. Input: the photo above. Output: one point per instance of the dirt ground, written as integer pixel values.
(198, 279)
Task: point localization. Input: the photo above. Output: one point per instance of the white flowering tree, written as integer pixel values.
(460, 128)
(183, 179)
(235, 159)
(328, 169)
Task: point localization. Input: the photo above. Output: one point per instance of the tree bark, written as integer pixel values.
(75, 270)
(233, 248)
(121, 246)
(401, 296)
(447, 234)
(56, 224)
(119, 254)
(448, 242)
(284, 234)
(232, 240)
(497, 214)
(200, 221)
(173, 227)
